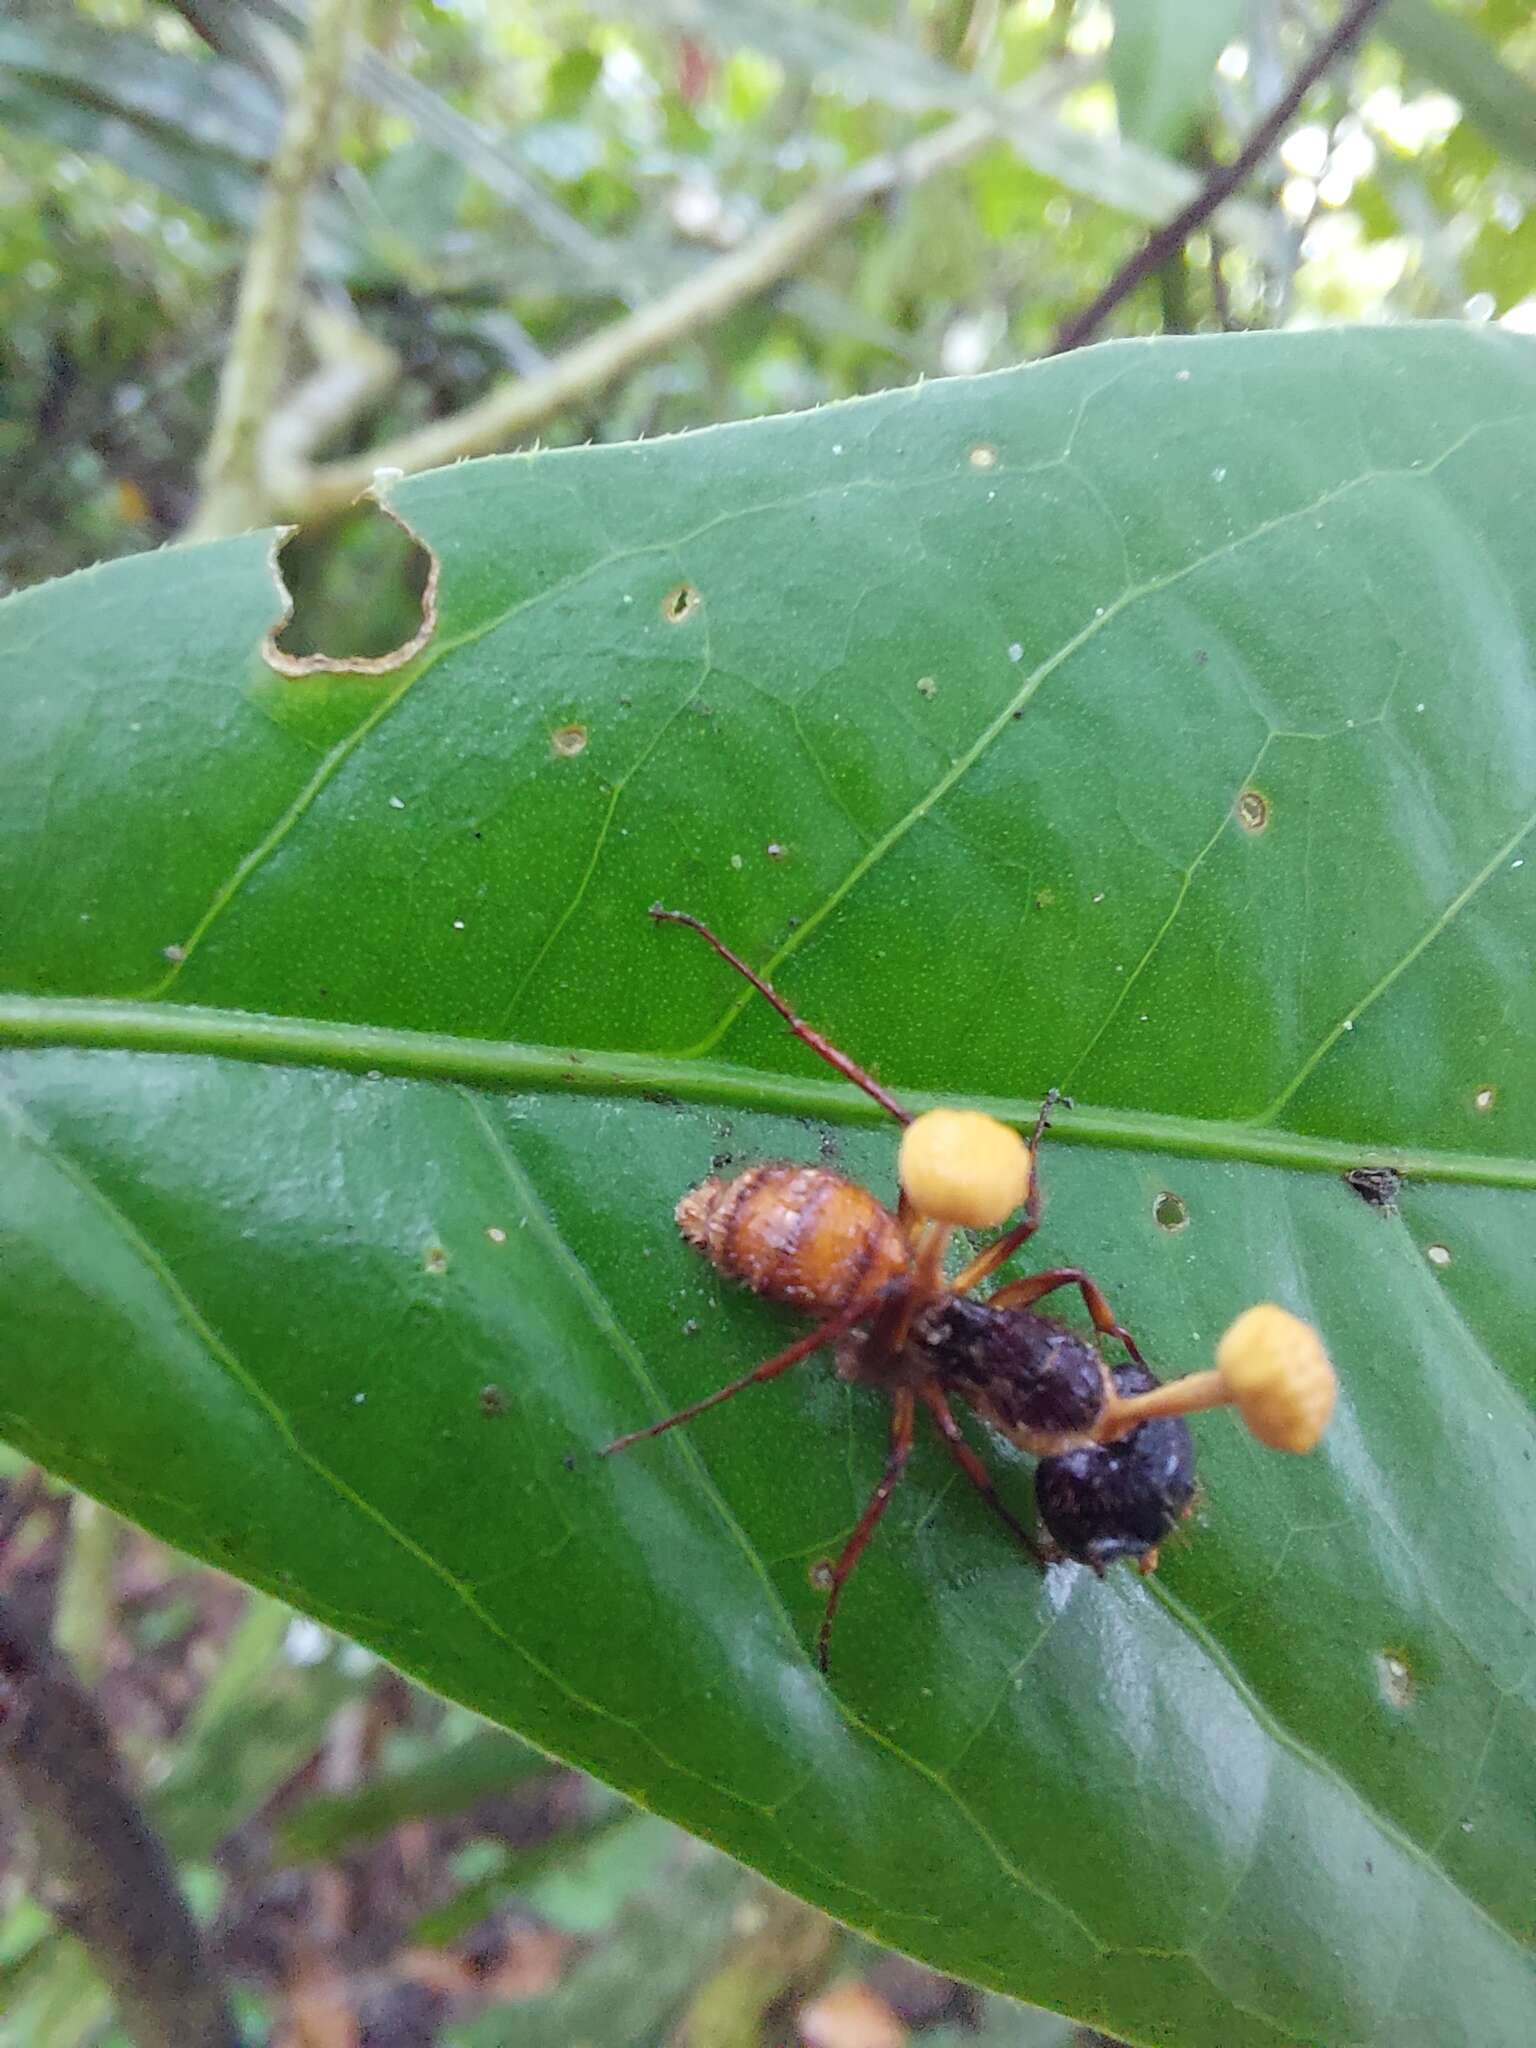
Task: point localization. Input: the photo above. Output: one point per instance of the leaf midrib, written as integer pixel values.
(88, 1023)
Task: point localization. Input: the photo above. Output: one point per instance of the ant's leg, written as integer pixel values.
(973, 1468)
(903, 1407)
(1024, 1293)
(824, 1333)
(1004, 1247)
(800, 1028)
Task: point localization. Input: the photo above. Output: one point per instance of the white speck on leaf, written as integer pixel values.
(1016, 651)
(397, 803)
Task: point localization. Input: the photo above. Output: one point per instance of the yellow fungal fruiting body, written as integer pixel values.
(1278, 1374)
(959, 1166)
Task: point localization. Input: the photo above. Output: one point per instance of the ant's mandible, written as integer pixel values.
(1117, 1465)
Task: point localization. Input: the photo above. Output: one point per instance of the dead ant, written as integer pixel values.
(1116, 1468)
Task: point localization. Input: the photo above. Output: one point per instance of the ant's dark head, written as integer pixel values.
(1103, 1501)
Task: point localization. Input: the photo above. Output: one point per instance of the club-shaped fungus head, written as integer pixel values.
(1278, 1376)
(959, 1166)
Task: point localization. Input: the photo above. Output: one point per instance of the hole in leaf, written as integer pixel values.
(1252, 811)
(569, 740)
(1485, 1098)
(983, 457)
(680, 603)
(820, 1575)
(1395, 1680)
(435, 1258)
(1171, 1212)
(1438, 1254)
(359, 596)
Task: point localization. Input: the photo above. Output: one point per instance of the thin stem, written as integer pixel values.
(106, 1876)
(1197, 1390)
(256, 366)
(1222, 183)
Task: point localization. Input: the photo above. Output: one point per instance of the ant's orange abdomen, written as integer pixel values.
(801, 1234)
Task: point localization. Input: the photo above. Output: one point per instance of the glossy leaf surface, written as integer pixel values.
(1157, 723)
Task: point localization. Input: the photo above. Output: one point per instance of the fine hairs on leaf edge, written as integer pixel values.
(348, 664)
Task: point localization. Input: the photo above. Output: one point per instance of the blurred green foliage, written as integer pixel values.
(513, 179)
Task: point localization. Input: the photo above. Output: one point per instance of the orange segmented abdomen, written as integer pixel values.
(796, 1233)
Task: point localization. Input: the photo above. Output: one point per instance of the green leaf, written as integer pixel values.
(663, 1909)
(1457, 58)
(200, 129)
(404, 1114)
(260, 1718)
(1161, 60)
(484, 1765)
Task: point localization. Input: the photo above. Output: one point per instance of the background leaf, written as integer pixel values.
(404, 1114)
(1161, 61)
(1495, 97)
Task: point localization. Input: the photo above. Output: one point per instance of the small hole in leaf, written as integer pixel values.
(493, 1401)
(983, 457)
(680, 603)
(360, 596)
(1395, 1680)
(1171, 1212)
(820, 1575)
(1438, 1254)
(568, 740)
(1485, 1098)
(1252, 811)
(435, 1258)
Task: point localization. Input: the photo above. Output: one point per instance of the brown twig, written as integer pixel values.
(1221, 184)
(102, 1871)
